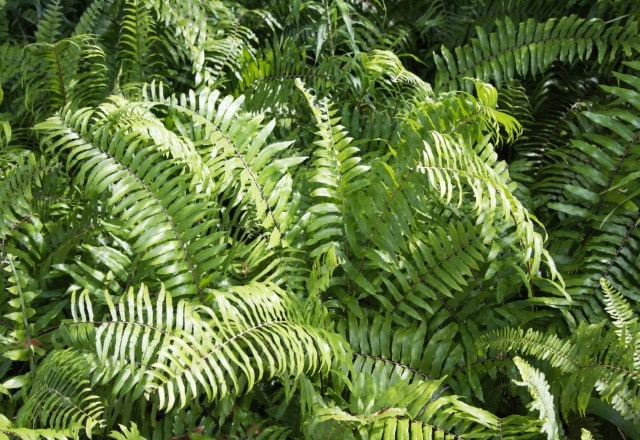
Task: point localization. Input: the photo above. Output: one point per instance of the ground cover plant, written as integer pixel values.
(319, 219)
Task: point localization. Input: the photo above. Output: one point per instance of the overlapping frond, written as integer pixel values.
(249, 176)
(96, 19)
(183, 148)
(592, 359)
(9, 429)
(172, 354)
(168, 221)
(589, 183)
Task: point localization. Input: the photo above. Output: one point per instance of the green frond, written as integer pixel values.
(248, 171)
(387, 355)
(126, 433)
(268, 77)
(453, 170)
(61, 396)
(129, 167)
(386, 66)
(71, 70)
(49, 28)
(173, 354)
(18, 181)
(589, 183)
(430, 273)
(337, 175)
(543, 401)
(403, 409)
(606, 366)
(8, 430)
(187, 29)
(138, 60)
(224, 52)
(529, 48)
(96, 18)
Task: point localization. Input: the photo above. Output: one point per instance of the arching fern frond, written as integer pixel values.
(174, 354)
(530, 47)
(406, 410)
(68, 71)
(386, 66)
(61, 396)
(127, 165)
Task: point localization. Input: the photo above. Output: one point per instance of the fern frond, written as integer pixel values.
(188, 30)
(129, 168)
(337, 176)
(607, 365)
(405, 410)
(137, 58)
(67, 71)
(49, 27)
(385, 65)
(61, 396)
(18, 180)
(248, 171)
(9, 429)
(530, 47)
(543, 400)
(619, 309)
(267, 77)
(96, 18)
(174, 354)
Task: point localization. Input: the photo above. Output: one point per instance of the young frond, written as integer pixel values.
(543, 400)
(620, 312)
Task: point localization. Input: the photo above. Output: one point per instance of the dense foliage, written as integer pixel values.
(319, 219)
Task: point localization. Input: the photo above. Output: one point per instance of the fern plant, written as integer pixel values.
(318, 219)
